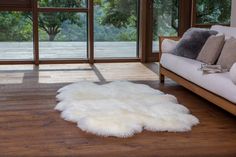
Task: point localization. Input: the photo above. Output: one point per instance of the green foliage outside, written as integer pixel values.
(52, 23)
(62, 3)
(15, 27)
(114, 20)
(213, 11)
(165, 19)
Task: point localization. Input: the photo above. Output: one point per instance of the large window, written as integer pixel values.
(16, 36)
(213, 11)
(116, 29)
(63, 35)
(69, 30)
(91, 31)
(63, 31)
(165, 20)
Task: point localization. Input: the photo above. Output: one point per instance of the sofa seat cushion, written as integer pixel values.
(219, 84)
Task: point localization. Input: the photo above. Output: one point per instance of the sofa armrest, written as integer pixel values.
(162, 38)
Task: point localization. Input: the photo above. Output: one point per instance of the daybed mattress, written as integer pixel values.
(219, 84)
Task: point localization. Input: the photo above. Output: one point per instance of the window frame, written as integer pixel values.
(152, 9)
(32, 6)
(184, 15)
(187, 19)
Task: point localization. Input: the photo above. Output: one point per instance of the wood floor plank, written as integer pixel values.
(29, 125)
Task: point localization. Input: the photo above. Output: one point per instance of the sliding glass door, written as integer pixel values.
(87, 30)
(165, 20)
(62, 29)
(116, 28)
(62, 35)
(16, 31)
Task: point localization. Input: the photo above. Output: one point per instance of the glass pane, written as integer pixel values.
(116, 28)
(63, 35)
(165, 20)
(62, 3)
(16, 36)
(213, 11)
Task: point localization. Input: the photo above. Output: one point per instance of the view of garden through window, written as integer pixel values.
(213, 11)
(165, 20)
(16, 36)
(63, 35)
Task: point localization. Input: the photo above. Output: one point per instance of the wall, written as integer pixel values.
(233, 16)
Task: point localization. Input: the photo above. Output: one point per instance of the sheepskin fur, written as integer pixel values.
(122, 109)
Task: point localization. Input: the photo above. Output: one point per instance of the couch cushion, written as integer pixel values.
(192, 42)
(233, 73)
(168, 45)
(227, 31)
(212, 49)
(220, 84)
(228, 54)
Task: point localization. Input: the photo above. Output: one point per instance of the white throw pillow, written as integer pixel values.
(233, 73)
(168, 45)
(226, 30)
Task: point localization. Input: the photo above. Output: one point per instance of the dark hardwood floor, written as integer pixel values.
(30, 127)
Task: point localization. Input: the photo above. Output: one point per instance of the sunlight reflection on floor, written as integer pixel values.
(69, 73)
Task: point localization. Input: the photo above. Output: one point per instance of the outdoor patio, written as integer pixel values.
(67, 50)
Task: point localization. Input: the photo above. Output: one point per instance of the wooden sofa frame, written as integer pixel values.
(216, 99)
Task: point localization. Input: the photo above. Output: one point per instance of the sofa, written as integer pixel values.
(217, 88)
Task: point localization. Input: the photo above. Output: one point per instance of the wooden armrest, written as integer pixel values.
(162, 38)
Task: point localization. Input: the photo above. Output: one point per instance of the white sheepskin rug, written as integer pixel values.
(122, 109)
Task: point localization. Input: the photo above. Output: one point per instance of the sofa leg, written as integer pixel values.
(162, 78)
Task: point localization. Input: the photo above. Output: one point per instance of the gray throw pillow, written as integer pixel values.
(192, 42)
(228, 54)
(212, 49)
